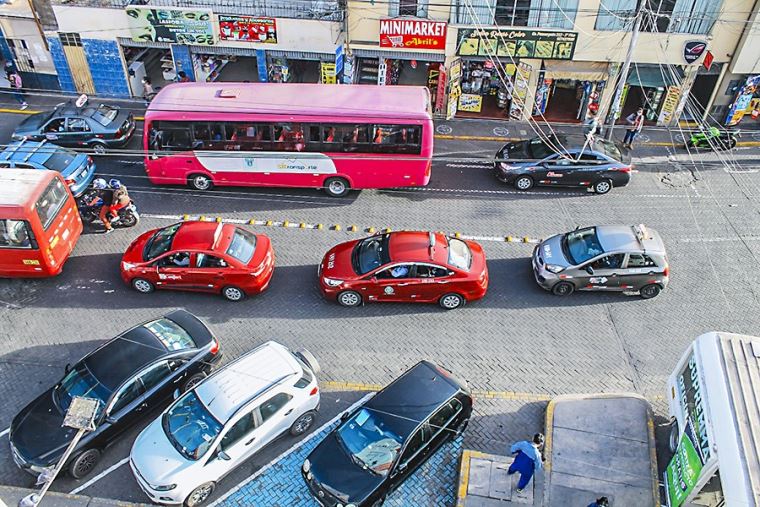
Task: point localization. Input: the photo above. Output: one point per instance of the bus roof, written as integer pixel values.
(18, 187)
(409, 102)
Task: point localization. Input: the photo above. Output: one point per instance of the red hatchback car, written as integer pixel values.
(200, 256)
(407, 266)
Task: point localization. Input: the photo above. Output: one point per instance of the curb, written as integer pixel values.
(10, 496)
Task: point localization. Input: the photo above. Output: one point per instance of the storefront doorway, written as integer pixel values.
(155, 64)
(569, 91)
(646, 87)
(701, 90)
(243, 69)
(486, 91)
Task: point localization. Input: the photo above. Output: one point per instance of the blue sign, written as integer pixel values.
(261, 62)
(183, 62)
(338, 60)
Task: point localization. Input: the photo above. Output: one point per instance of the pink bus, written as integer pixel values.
(335, 137)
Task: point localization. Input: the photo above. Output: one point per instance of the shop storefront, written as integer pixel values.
(569, 91)
(656, 89)
(746, 101)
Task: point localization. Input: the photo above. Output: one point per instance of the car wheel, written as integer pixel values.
(602, 186)
(337, 187)
(84, 463)
(199, 494)
(349, 298)
(232, 293)
(99, 148)
(674, 436)
(650, 291)
(563, 289)
(142, 285)
(192, 382)
(303, 423)
(524, 183)
(200, 182)
(451, 301)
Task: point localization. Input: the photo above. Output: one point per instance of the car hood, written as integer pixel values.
(334, 470)
(337, 262)
(551, 252)
(31, 124)
(155, 458)
(37, 432)
(134, 253)
(514, 151)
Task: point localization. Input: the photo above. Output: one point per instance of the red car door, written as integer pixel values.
(394, 283)
(171, 271)
(211, 272)
(433, 281)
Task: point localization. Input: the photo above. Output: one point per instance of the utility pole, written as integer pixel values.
(624, 70)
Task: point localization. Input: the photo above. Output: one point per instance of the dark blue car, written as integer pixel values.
(77, 169)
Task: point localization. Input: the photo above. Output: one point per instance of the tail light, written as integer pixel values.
(214, 347)
(314, 391)
(70, 182)
(118, 133)
(429, 169)
(666, 271)
(622, 169)
(89, 160)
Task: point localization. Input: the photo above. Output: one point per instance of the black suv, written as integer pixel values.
(129, 375)
(378, 445)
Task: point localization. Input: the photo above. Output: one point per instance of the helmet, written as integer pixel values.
(99, 183)
(114, 183)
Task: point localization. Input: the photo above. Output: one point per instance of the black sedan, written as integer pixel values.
(129, 375)
(563, 161)
(97, 128)
(378, 445)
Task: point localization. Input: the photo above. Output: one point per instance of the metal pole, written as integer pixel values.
(624, 70)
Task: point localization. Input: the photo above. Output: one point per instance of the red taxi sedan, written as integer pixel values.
(200, 256)
(406, 266)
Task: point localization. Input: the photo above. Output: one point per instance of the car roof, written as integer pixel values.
(623, 238)
(414, 246)
(246, 378)
(200, 235)
(415, 395)
(35, 152)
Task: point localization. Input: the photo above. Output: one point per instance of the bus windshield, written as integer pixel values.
(50, 202)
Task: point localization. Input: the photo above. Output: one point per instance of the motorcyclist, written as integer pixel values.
(120, 198)
(102, 196)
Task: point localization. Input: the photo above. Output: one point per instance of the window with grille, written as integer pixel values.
(70, 39)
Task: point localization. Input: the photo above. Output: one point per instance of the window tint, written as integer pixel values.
(172, 336)
(425, 271)
(239, 430)
(242, 246)
(416, 442)
(269, 408)
(60, 160)
(248, 136)
(171, 136)
(160, 242)
(57, 125)
(289, 137)
(174, 260)
(591, 158)
(77, 125)
(637, 260)
(16, 234)
(444, 414)
(209, 261)
(400, 271)
(105, 114)
(127, 395)
(50, 203)
(612, 261)
(396, 139)
(155, 375)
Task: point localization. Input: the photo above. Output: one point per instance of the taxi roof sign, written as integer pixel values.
(641, 232)
(217, 234)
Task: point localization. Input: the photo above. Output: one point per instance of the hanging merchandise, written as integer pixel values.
(382, 72)
(522, 77)
(440, 90)
(279, 72)
(394, 72)
(542, 94)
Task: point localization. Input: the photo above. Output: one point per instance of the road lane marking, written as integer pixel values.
(99, 476)
(291, 449)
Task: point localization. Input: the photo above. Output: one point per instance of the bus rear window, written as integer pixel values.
(51, 202)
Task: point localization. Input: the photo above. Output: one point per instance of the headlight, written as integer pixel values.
(507, 167)
(42, 470)
(17, 137)
(126, 266)
(306, 466)
(168, 487)
(554, 268)
(332, 282)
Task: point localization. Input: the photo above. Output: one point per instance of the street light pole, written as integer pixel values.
(614, 108)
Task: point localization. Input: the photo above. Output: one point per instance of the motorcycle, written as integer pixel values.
(713, 139)
(127, 216)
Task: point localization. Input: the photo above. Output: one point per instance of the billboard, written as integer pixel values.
(412, 34)
(180, 26)
(549, 45)
(247, 29)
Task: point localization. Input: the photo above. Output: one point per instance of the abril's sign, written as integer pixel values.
(412, 34)
(693, 50)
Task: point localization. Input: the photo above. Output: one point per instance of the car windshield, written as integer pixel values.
(460, 255)
(581, 245)
(190, 427)
(242, 246)
(607, 148)
(370, 253)
(161, 242)
(80, 382)
(105, 114)
(370, 444)
(539, 149)
(170, 334)
(60, 160)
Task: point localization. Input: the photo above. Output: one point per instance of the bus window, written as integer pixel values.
(171, 136)
(353, 137)
(16, 234)
(201, 136)
(289, 137)
(50, 202)
(247, 136)
(396, 139)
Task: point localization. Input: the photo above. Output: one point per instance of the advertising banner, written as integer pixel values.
(455, 89)
(412, 34)
(247, 29)
(181, 26)
(684, 468)
(520, 91)
(470, 102)
(328, 73)
(669, 105)
(548, 45)
(440, 91)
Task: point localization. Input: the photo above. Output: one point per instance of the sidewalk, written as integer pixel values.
(9, 497)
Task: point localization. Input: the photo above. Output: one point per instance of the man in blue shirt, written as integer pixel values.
(528, 458)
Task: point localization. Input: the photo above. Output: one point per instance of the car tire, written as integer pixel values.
(303, 423)
(337, 187)
(193, 381)
(673, 436)
(524, 183)
(99, 148)
(451, 301)
(84, 463)
(563, 289)
(650, 291)
(601, 187)
(232, 293)
(199, 494)
(142, 285)
(311, 361)
(349, 298)
(200, 182)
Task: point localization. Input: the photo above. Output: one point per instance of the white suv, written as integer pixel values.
(224, 420)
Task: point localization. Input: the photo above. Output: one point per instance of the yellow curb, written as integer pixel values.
(464, 476)
(18, 111)
(336, 227)
(351, 228)
(526, 239)
(371, 230)
(653, 458)
(548, 428)
(476, 138)
(219, 219)
(286, 224)
(139, 118)
(185, 217)
(268, 223)
(252, 222)
(387, 230)
(201, 218)
(319, 227)
(457, 235)
(302, 225)
(509, 239)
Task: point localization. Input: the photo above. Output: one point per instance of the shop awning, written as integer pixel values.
(399, 55)
(582, 71)
(654, 76)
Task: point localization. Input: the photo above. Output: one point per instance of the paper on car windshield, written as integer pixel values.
(362, 417)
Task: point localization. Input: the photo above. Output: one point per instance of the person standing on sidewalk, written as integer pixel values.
(528, 458)
(15, 81)
(600, 502)
(635, 123)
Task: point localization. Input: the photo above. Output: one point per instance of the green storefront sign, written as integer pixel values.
(683, 470)
(494, 42)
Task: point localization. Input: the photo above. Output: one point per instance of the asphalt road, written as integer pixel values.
(520, 342)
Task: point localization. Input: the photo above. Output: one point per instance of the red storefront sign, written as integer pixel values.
(412, 34)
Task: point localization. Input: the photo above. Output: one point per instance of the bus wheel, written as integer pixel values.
(336, 187)
(200, 182)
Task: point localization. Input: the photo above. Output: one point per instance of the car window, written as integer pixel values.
(60, 160)
(240, 429)
(581, 245)
(105, 114)
(126, 395)
(56, 125)
(190, 427)
(608, 148)
(370, 253)
(638, 260)
(242, 246)
(460, 255)
(50, 203)
(209, 261)
(155, 375)
(425, 271)
(444, 415)
(171, 335)
(175, 260)
(77, 125)
(271, 406)
(538, 149)
(370, 440)
(161, 242)
(80, 381)
(612, 261)
(416, 442)
(399, 271)
(591, 158)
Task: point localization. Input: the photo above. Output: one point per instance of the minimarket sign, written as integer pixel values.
(412, 34)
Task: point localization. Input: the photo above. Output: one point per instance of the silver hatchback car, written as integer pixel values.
(603, 258)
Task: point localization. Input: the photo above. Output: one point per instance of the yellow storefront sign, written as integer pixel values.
(328, 73)
(470, 102)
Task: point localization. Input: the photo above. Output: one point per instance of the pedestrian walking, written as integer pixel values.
(15, 80)
(182, 77)
(591, 126)
(528, 458)
(600, 502)
(635, 123)
(148, 92)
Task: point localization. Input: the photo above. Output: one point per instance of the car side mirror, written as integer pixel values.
(176, 393)
(344, 416)
(589, 270)
(67, 368)
(111, 419)
(223, 455)
(401, 468)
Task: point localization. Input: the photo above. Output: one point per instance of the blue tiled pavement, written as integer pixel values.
(433, 484)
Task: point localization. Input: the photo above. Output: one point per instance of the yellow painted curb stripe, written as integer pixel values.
(18, 111)
(548, 425)
(332, 385)
(653, 458)
(464, 476)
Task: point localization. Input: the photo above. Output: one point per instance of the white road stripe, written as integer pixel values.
(99, 476)
(4, 432)
(291, 449)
